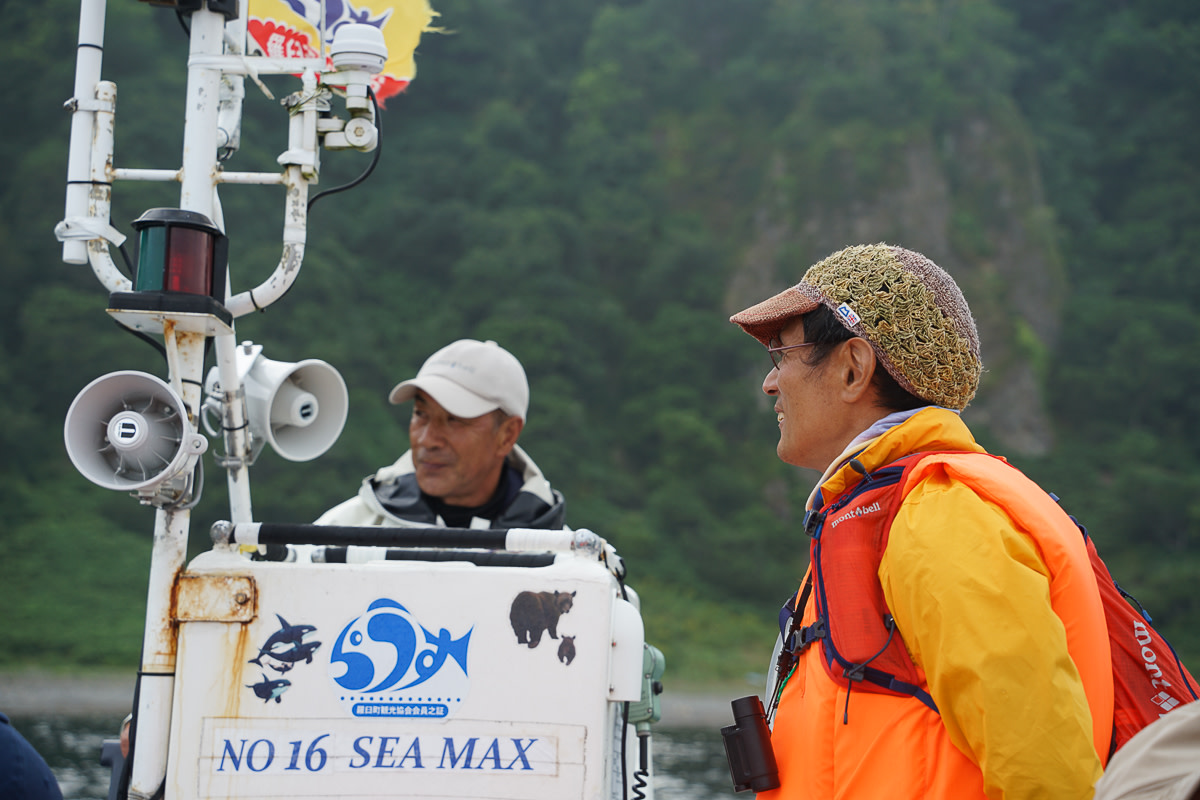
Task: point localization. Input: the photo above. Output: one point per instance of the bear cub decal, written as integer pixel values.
(535, 612)
(566, 650)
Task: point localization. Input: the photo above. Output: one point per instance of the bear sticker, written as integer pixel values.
(533, 613)
(566, 650)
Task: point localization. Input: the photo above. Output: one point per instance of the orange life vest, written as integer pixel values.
(1149, 679)
(861, 649)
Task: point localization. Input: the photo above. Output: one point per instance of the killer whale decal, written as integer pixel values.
(281, 652)
(269, 689)
(286, 646)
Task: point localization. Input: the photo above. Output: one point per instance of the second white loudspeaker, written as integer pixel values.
(297, 408)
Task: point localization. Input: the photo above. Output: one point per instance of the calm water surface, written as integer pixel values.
(688, 764)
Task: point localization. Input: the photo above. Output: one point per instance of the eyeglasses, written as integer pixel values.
(778, 351)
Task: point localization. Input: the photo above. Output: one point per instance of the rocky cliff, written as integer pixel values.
(970, 198)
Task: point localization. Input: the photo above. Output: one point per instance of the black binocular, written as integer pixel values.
(748, 747)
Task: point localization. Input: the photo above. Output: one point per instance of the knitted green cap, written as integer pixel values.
(908, 308)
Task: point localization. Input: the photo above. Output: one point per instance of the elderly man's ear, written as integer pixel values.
(857, 364)
(510, 431)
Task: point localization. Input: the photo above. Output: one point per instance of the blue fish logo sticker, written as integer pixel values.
(388, 650)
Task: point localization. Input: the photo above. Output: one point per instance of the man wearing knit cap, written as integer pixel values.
(464, 468)
(948, 640)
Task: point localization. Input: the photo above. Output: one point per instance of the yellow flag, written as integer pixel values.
(289, 29)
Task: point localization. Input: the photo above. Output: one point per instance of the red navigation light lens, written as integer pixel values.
(189, 261)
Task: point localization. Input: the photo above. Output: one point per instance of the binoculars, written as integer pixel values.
(748, 747)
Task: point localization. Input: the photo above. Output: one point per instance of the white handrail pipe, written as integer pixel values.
(89, 57)
(294, 238)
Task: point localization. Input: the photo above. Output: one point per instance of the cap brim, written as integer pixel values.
(447, 394)
(764, 320)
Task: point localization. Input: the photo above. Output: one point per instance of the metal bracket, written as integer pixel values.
(215, 598)
(88, 228)
(89, 104)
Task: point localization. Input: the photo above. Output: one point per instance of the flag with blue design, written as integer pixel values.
(290, 29)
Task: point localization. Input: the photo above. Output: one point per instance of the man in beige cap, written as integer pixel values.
(948, 642)
(464, 468)
(1162, 762)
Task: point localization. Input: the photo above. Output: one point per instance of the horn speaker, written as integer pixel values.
(297, 408)
(129, 431)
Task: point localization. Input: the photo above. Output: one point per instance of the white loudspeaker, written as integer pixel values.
(129, 431)
(299, 409)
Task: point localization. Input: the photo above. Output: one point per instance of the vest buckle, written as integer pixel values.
(800, 640)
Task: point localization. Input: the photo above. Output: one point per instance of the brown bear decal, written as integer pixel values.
(535, 612)
(566, 650)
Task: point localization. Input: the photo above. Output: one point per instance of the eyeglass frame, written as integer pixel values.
(776, 360)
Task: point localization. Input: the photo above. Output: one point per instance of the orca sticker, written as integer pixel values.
(283, 650)
(385, 663)
(286, 646)
(269, 689)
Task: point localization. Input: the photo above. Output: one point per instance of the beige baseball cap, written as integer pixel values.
(470, 378)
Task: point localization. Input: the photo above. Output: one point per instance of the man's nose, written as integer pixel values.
(771, 382)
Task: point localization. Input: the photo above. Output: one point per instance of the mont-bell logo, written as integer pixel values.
(1164, 701)
(856, 512)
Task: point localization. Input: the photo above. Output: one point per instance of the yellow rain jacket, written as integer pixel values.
(1004, 624)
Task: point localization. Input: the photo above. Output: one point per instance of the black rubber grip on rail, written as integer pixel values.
(374, 536)
(480, 558)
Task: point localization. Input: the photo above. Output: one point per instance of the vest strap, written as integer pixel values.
(891, 682)
(795, 640)
(802, 638)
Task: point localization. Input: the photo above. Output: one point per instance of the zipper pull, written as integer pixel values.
(858, 467)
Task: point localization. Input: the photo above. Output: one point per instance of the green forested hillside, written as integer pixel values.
(597, 185)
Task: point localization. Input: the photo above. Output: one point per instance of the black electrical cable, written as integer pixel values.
(162, 351)
(128, 261)
(374, 160)
(641, 776)
(624, 752)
